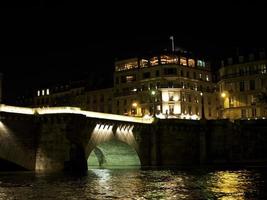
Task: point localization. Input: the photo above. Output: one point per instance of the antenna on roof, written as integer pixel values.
(172, 39)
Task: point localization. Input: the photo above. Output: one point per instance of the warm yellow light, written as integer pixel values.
(134, 104)
(72, 110)
(223, 95)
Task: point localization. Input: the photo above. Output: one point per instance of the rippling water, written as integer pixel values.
(136, 184)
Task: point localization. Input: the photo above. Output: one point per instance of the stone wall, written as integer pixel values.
(18, 140)
(64, 141)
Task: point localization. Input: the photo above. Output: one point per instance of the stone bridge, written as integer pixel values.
(54, 139)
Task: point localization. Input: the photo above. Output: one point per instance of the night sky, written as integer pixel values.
(43, 43)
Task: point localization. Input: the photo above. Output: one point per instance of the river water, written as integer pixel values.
(195, 184)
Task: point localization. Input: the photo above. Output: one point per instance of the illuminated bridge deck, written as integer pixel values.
(72, 110)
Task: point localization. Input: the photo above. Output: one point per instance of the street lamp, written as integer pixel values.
(224, 96)
(153, 93)
(202, 106)
(134, 107)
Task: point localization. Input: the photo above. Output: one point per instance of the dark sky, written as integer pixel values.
(42, 42)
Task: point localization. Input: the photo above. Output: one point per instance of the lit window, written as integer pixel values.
(195, 87)
(143, 63)
(168, 59)
(43, 92)
(200, 76)
(154, 61)
(200, 63)
(130, 78)
(127, 65)
(183, 61)
(263, 67)
(191, 62)
(38, 93)
(47, 91)
(131, 65)
(207, 77)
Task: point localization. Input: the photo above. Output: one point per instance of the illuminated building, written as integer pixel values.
(165, 85)
(243, 84)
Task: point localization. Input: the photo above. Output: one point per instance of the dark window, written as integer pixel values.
(117, 80)
(194, 75)
(123, 79)
(101, 98)
(187, 74)
(254, 112)
(243, 113)
(146, 75)
(201, 88)
(157, 73)
(241, 72)
(158, 84)
(170, 84)
(143, 88)
(252, 84)
(170, 71)
(242, 86)
(182, 73)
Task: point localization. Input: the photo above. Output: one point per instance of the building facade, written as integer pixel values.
(171, 85)
(242, 83)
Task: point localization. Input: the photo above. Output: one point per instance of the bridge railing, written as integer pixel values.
(72, 110)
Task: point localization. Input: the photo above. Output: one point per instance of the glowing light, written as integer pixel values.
(165, 96)
(175, 98)
(134, 104)
(73, 110)
(223, 95)
(187, 116)
(160, 116)
(47, 91)
(153, 92)
(38, 93)
(14, 109)
(3, 127)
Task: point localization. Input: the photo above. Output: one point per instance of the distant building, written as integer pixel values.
(243, 80)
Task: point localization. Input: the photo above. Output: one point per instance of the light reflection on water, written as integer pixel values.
(136, 184)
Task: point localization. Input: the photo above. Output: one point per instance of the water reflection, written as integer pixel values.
(136, 184)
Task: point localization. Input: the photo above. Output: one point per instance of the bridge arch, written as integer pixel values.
(113, 145)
